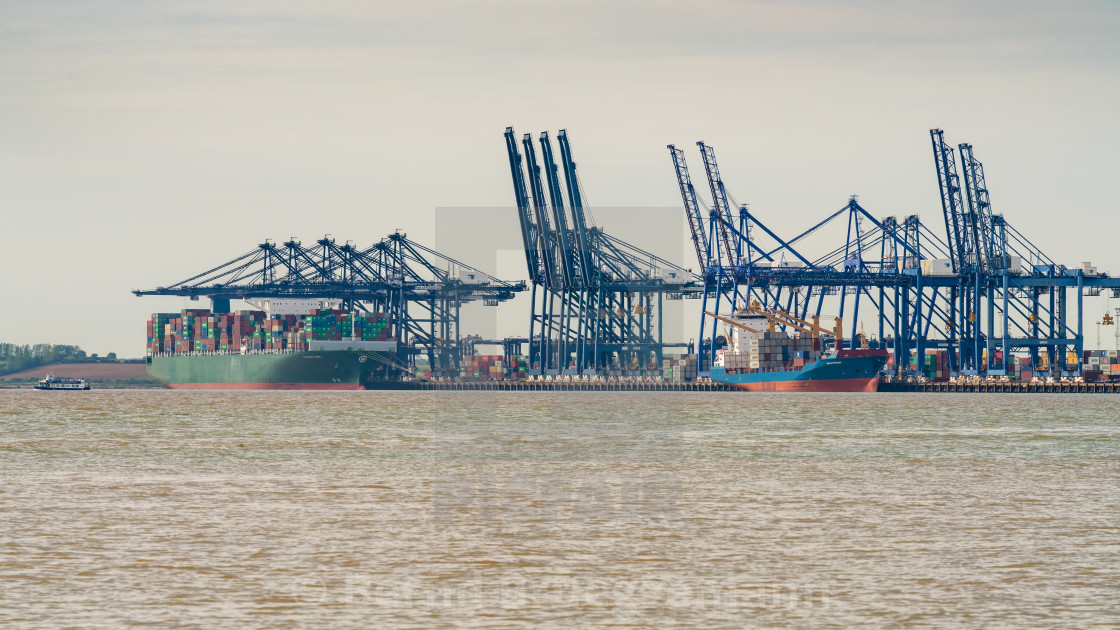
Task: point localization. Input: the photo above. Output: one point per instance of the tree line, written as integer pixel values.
(16, 357)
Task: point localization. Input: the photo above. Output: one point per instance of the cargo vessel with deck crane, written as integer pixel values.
(762, 358)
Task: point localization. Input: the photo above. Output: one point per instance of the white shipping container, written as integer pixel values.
(668, 276)
(467, 276)
(937, 267)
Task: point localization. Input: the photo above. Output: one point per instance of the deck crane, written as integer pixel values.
(783, 318)
(691, 207)
(731, 322)
(778, 317)
(722, 207)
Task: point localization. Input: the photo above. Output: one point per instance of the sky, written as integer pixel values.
(144, 142)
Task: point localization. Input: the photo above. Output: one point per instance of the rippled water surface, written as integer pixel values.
(491, 509)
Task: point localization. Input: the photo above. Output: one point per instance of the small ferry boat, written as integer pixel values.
(62, 383)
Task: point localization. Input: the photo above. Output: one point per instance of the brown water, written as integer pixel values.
(488, 509)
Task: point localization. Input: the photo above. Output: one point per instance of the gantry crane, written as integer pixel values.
(600, 308)
(420, 289)
(1000, 292)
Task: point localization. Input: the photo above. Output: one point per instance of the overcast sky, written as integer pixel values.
(143, 142)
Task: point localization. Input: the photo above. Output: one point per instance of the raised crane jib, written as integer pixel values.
(569, 252)
(719, 198)
(980, 207)
(524, 215)
(575, 197)
(546, 236)
(691, 206)
(958, 221)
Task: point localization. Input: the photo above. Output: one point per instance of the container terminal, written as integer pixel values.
(962, 301)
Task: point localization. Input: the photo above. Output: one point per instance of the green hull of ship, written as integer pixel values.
(310, 369)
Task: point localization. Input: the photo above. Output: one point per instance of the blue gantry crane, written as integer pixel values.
(980, 290)
(421, 289)
(597, 300)
(745, 261)
(968, 282)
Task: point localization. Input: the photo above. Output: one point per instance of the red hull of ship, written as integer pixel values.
(320, 386)
(830, 385)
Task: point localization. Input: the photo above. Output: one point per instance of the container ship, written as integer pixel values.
(760, 358)
(322, 349)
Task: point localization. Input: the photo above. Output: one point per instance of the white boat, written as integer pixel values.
(62, 383)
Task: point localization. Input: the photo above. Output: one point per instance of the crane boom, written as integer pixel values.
(719, 199)
(797, 320)
(786, 319)
(528, 228)
(691, 206)
(731, 322)
(567, 261)
(576, 200)
(980, 207)
(958, 226)
(545, 233)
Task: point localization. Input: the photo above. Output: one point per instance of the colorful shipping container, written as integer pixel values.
(199, 330)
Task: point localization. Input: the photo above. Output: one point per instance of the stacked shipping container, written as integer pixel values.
(1045, 360)
(778, 350)
(497, 367)
(679, 368)
(519, 366)
(774, 350)
(199, 330)
(936, 365)
(334, 324)
(482, 367)
(492, 367)
(1101, 365)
